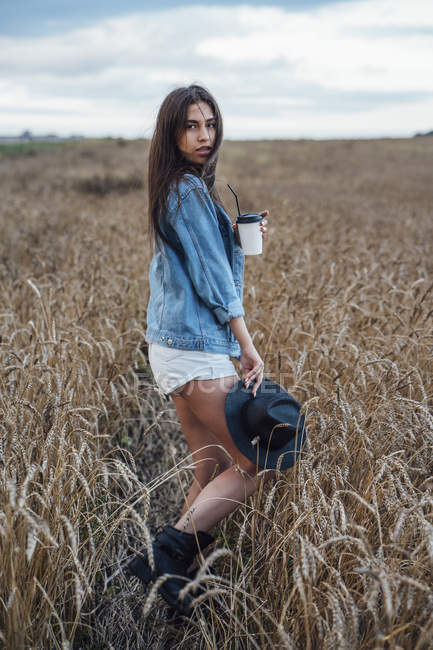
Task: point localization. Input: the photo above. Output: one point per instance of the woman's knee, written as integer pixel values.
(247, 466)
(207, 469)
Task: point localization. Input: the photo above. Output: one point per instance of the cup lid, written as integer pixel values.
(251, 217)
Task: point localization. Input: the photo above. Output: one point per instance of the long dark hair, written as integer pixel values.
(166, 163)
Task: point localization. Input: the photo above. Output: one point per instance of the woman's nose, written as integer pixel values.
(203, 133)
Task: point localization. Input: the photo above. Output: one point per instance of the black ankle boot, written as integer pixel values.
(173, 552)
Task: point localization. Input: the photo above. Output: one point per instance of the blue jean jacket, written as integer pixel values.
(196, 285)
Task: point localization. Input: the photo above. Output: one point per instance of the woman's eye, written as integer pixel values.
(211, 125)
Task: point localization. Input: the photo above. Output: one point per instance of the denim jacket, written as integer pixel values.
(196, 285)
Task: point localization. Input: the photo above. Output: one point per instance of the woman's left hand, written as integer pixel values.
(263, 228)
(263, 223)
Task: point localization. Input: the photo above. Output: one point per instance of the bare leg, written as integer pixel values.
(222, 495)
(210, 460)
(219, 498)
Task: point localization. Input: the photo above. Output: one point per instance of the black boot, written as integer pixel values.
(173, 552)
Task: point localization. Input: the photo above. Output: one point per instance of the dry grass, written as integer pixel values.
(338, 552)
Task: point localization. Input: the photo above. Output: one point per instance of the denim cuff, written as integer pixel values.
(234, 310)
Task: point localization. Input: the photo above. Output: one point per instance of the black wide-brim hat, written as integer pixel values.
(268, 429)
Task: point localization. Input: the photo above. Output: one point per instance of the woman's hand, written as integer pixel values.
(263, 228)
(236, 233)
(252, 366)
(251, 363)
(263, 223)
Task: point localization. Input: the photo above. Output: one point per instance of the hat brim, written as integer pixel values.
(265, 457)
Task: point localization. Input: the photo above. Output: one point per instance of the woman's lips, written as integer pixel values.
(204, 151)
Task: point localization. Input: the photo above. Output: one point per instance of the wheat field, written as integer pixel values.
(337, 552)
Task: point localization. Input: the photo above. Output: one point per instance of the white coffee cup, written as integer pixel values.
(250, 233)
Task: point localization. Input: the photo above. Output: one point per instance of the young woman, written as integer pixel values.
(195, 323)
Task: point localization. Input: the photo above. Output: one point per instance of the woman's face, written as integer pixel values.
(197, 139)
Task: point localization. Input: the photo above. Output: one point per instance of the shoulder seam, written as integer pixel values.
(188, 191)
(197, 184)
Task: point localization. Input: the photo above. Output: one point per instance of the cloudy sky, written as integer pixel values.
(279, 69)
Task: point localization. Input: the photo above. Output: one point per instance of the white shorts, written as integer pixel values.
(173, 368)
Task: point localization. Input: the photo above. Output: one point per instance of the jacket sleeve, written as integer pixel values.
(195, 223)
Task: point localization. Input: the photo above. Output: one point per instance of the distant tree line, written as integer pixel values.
(27, 136)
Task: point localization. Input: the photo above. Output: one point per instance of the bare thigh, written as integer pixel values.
(206, 400)
(209, 458)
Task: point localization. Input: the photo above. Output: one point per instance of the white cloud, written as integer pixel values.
(359, 68)
(338, 45)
